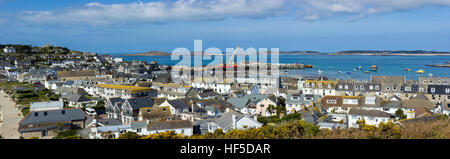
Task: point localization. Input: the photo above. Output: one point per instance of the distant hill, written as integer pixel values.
(388, 52)
(150, 53)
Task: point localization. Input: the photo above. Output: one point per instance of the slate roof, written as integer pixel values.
(53, 116)
(415, 104)
(178, 103)
(374, 113)
(388, 79)
(438, 89)
(75, 97)
(171, 124)
(241, 102)
(46, 105)
(392, 104)
(75, 73)
(155, 112)
(137, 103)
(226, 119)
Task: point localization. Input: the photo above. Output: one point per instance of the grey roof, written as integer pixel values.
(113, 128)
(171, 124)
(178, 103)
(137, 103)
(241, 102)
(301, 98)
(388, 79)
(392, 104)
(226, 119)
(46, 105)
(75, 97)
(375, 113)
(138, 124)
(53, 116)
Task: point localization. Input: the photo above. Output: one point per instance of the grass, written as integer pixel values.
(25, 111)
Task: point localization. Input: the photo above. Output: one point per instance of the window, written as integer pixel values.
(329, 85)
(36, 113)
(361, 86)
(346, 86)
(439, 82)
(340, 86)
(424, 82)
(320, 84)
(395, 88)
(356, 87)
(45, 113)
(371, 87)
(447, 90)
(385, 109)
(63, 112)
(433, 89)
(388, 88)
(138, 130)
(331, 101)
(407, 88)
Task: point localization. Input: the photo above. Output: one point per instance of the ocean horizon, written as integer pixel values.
(341, 66)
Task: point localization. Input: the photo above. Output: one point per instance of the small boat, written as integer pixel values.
(320, 71)
(374, 68)
(407, 69)
(420, 72)
(366, 71)
(355, 69)
(349, 73)
(359, 68)
(431, 75)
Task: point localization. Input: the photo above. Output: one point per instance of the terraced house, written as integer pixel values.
(321, 88)
(126, 110)
(124, 91)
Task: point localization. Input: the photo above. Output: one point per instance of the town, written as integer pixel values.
(53, 92)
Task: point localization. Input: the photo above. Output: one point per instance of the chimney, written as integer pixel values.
(192, 106)
(234, 121)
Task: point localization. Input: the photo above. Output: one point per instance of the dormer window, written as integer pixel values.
(36, 113)
(356, 87)
(340, 86)
(388, 88)
(346, 86)
(433, 89)
(361, 86)
(439, 82)
(395, 88)
(424, 82)
(331, 101)
(371, 87)
(329, 85)
(407, 88)
(377, 87)
(307, 84)
(447, 90)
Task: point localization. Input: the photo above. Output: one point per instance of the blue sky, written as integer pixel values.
(127, 26)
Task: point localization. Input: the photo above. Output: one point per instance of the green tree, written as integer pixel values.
(399, 113)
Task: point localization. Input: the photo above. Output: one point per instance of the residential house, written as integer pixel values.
(340, 104)
(370, 117)
(177, 106)
(124, 91)
(183, 127)
(126, 110)
(155, 113)
(322, 88)
(234, 120)
(297, 102)
(46, 122)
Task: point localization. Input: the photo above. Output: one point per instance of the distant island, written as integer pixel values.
(390, 53)
(350, 52)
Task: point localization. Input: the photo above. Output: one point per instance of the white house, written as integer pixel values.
(233, 120)
(183, 127)
(371, 117)
(221, 88)
(9, 49)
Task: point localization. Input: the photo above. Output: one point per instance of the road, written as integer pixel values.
(11, 118)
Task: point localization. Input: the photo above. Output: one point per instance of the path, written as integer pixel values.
(11, 118)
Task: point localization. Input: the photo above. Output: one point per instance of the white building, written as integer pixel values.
(371, 117)
(9, 49)
(221, 88)
(53, 105)
(183, 127)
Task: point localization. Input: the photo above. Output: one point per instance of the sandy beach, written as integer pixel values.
(11, 118)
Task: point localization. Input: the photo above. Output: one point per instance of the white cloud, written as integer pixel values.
(205, 10)
(331, 8)
(184, 10)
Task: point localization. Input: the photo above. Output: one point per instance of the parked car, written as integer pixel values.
(90, 111)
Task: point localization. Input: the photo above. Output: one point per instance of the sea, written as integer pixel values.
(342, 66)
